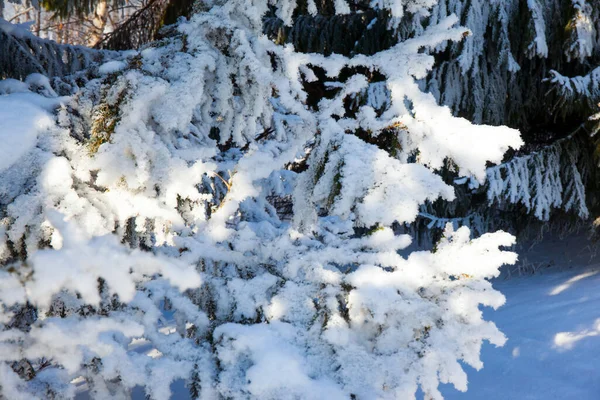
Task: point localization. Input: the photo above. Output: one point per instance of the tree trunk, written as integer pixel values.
(98, 22)
(38, 21)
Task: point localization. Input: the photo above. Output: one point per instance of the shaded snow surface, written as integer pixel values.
(552, 321)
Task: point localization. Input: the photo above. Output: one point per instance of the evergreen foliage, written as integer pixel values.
(68, 8)
(500, 74)
(142, 237)
(22, 54)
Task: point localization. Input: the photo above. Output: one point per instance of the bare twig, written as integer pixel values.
(17, 15)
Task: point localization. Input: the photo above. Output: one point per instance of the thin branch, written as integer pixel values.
(17, 15)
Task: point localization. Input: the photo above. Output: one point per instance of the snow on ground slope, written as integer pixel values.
(552, 321)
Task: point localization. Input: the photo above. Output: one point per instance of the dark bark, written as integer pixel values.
(144, 25)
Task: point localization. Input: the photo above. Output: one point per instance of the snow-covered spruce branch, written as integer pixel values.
(474, 221)
(488, 66)
(583, 89)
(582, 32)
(539, 183)
(22, 53)
(491, 74)
(139, 243)
(551, 178)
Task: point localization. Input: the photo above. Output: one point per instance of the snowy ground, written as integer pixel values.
(552, 321)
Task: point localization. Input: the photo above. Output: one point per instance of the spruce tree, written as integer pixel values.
(222, 209)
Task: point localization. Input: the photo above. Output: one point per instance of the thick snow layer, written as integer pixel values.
(112, 67)
(552, 321)
(20, 123)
